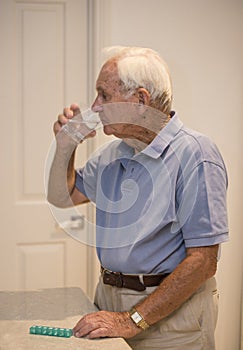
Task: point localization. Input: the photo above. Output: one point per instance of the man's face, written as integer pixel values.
(109, 91)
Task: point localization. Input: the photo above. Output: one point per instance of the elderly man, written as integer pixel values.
(160, 194)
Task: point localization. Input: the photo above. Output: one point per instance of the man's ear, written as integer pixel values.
(143, 96)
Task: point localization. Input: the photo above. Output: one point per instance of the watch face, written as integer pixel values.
(136, 317)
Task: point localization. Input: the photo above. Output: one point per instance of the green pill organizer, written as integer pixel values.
(51, 331)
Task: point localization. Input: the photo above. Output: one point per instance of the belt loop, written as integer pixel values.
(141, 279)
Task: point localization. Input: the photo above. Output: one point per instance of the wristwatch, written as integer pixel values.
(138, 319)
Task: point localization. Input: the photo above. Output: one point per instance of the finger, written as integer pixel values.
(91, 134)
(75, 108)
(62, 119)
(56, 127)
(78, 325)
(99, 333)
(67, 112)
(85, 330)
(82, 328)
(87, 324)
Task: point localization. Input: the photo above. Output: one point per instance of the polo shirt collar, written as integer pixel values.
(163, 139)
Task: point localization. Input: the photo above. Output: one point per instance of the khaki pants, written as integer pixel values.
(191, 327)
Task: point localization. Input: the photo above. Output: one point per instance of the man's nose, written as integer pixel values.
(97, 108)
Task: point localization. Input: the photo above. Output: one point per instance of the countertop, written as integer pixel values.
(56, 307)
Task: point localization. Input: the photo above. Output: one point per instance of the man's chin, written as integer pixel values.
(108, 130)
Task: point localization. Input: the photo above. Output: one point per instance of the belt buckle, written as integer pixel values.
(117, 279)
(107, 277)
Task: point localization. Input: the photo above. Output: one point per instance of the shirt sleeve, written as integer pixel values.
(202, 210)
(86, 179)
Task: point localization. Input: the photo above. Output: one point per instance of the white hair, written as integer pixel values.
(143, 67)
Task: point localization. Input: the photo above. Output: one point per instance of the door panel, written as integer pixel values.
(40, 48)
(43, 68)
(41, 264)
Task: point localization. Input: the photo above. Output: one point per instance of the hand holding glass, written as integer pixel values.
(82, 125)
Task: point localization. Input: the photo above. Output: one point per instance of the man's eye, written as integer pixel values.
(104, 96)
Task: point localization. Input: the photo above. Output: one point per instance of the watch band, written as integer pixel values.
(138, 319)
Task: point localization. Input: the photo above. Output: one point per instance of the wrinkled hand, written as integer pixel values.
(106, 324)
(62, 119)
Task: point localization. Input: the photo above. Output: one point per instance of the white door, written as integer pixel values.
(43, 67)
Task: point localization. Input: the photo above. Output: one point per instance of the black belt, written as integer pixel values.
(135, 282)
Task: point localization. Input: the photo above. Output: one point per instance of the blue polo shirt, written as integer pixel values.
(152, 205)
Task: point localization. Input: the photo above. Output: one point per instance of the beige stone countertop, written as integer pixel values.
(56, 307)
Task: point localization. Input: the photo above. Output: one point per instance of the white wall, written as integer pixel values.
(202, 42)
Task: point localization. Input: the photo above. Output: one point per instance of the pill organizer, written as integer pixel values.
(51, 331)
